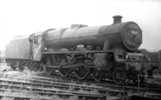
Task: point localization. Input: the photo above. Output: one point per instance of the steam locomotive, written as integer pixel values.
(97, 53)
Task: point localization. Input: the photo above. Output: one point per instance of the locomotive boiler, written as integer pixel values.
(119, 35)
(80, 52)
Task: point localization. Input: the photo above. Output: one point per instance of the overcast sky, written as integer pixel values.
(22, 17)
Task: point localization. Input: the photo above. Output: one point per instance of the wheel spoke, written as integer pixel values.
(82, 72)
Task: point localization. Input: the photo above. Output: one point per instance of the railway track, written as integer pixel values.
(44, 88)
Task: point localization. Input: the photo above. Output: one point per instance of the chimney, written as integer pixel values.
(117, 19)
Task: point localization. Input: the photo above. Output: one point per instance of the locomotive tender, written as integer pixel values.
(81, 52)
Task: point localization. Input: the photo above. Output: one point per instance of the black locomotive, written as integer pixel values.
(98, 53)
